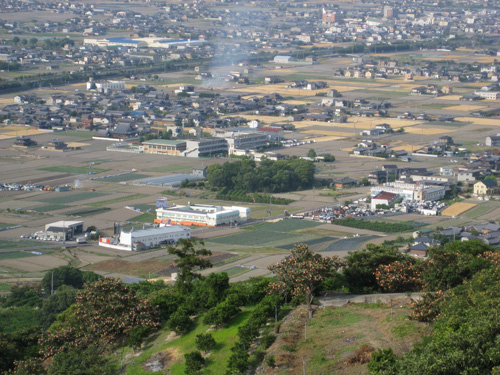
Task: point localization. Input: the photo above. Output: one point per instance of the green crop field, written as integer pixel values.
(49, 207)
(170, 168)
(481, 209)
(255, 238)
(5, 244)
(89, 211)
(287, 225)
(72, 170)
(118, 200)
(123, 177)
(65, 198)
(84, 135)
(348, 244)
(316, 241)
(16, 255)
(236, 271)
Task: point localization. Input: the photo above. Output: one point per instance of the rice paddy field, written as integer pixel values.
(457, 209)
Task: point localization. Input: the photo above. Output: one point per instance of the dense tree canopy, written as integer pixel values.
(66, 275)
(361, 266)
(103, 312)
(302, 273)
(269, 176)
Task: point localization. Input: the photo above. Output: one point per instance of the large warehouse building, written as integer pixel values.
(203, 215)
(143, 239)
(408, 191)
(64, 230)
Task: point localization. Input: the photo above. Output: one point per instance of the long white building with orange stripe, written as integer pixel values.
(202, 215)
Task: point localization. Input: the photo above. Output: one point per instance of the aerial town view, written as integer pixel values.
(227, 187)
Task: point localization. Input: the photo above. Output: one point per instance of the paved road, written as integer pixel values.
(339, 299)
(43, 246)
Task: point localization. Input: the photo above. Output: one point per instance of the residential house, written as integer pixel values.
(485, 187)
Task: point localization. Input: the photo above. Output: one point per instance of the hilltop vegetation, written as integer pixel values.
(207, 325)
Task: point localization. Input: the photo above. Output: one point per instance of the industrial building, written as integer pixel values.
(417, 192)
(64, 230)
(144, 239)
(202, 215)
(143, 42)
(164, 147)
(205, 147)
(246, 142)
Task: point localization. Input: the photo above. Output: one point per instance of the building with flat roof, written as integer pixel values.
(164, 146)
(408, 191)
(64, 230)
(202, 215)
(144, 239)
(151, 42)
(251, 141)
(205, 147)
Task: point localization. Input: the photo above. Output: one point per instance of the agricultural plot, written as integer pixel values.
(5, 244)
(481, 209)
(479, 121)
(72, 170)
(89, 211)
(256, 238)
(126, 198)
(84, 135)
(279, 234)
(49, 207)
(13, 132)
(236, 271)
(317, 241)
(449, 97)
(71, 198)
(428, 131)
(16, 255)
(140, 269)
(457, 209)
(122, 177)
(288, 225)
(38, 263)
(465, 108)
(347, 244)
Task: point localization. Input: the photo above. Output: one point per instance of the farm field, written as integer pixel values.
(73, 170)
(72, 197)
(457, 209)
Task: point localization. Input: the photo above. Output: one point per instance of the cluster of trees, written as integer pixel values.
(82, 326)
(269, 176)
(462, 289)
(379, 226)
(30, 310)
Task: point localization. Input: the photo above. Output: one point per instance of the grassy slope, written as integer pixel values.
(175, 349)
(335, 334)
(333, 337)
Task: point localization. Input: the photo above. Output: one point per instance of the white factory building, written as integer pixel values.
(202, 215)
(408, 191)
(143, 239)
